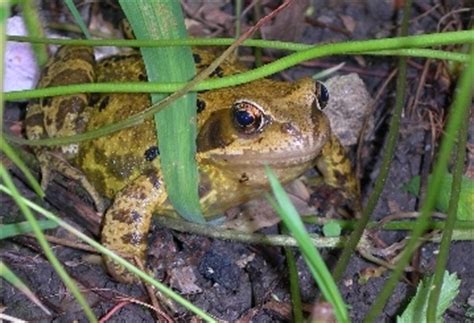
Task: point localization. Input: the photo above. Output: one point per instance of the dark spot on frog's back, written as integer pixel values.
(46, 101)
(133, 238)
(201, 105)
(219, 72)
(104, 102)
(153, 177)
(73, 105)
(94, 98)
(122, 216)
(151, 153)
(36, 119)
(197, 58)
(136, 217)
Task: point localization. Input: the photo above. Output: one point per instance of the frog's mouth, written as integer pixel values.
(272, 159)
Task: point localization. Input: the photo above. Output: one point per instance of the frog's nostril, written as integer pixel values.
(288, 128)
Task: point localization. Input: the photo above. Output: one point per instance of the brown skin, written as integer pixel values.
(286, 131)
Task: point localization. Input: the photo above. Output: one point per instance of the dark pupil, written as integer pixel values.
(244, 118)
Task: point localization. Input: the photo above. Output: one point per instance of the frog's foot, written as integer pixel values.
(49, 160)
(127, 222)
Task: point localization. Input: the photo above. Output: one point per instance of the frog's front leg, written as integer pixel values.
(127, 221)
(337, 172)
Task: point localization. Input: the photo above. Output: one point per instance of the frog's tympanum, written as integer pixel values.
(240, 130)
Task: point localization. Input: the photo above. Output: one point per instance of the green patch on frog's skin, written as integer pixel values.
(240, 130)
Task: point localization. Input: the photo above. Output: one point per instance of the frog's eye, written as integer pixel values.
(322, 95)
(248, 116)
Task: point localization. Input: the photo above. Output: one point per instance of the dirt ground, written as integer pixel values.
(236, 281)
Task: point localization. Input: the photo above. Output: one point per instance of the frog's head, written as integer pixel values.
(278, 124)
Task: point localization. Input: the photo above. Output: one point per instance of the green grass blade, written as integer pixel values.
(460, 109)
(33, 25)
(4, 13)
(297, 306)
(70, 284)
(14, 229)
(133, 269)
(77, 18)
(176, 125)
(10, 153)
(454, 205)
(316, 265)
(16, 282)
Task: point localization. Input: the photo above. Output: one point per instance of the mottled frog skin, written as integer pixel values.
(240, 129)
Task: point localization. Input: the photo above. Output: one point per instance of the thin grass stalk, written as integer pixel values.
(316, 265)
(295, 293)
(78, 18)
(227, 81)
(460, 110)
(387, 158)
(11, 154)
(34, 27)
(442, 259)
(273, 44)
(67, 280)
(4, 13)
(133, 269)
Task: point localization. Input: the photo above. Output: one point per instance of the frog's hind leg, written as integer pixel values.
(336, 169)
(127, 222)
(49, 160)
(62, 116)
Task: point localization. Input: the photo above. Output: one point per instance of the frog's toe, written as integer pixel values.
(45, 168)
(50, 161)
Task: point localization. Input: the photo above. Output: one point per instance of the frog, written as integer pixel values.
(240, 130)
